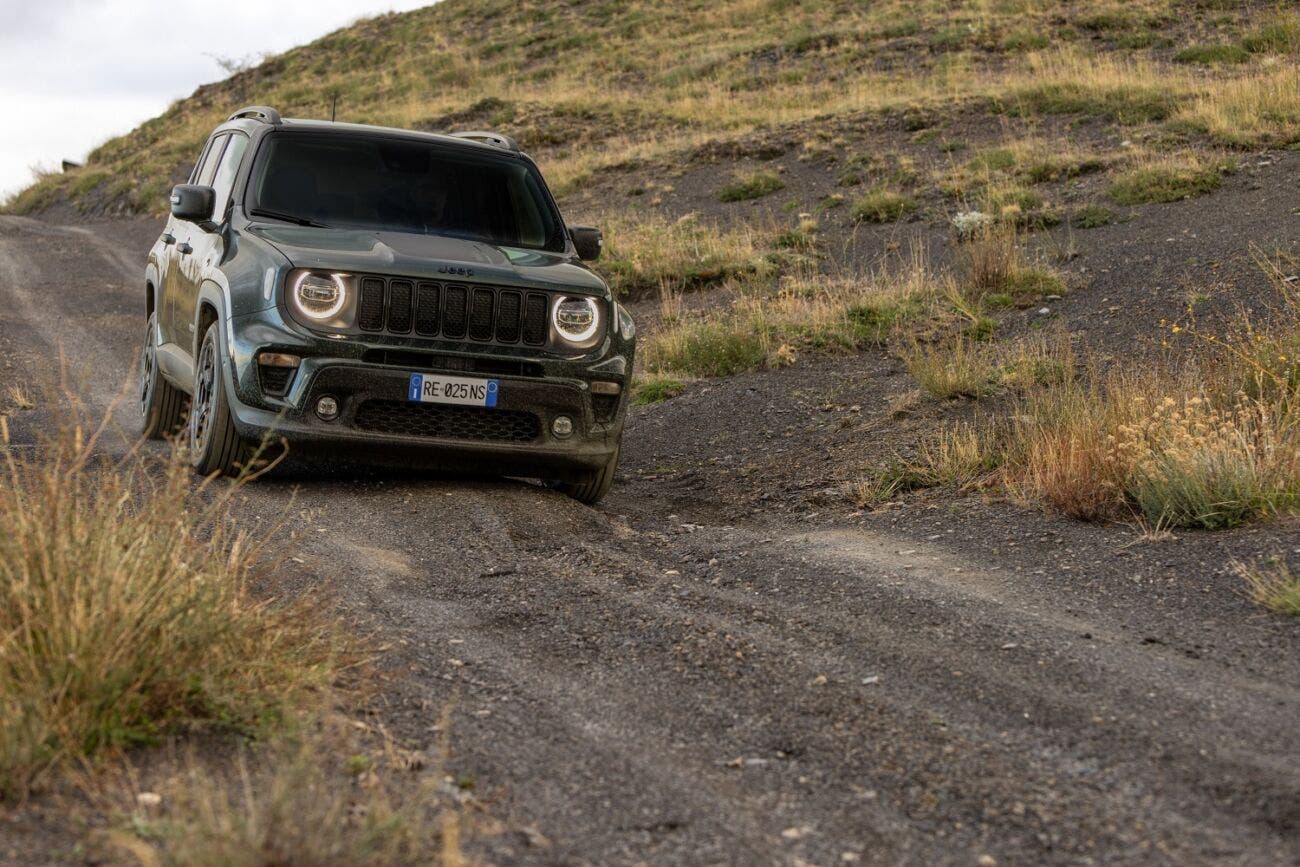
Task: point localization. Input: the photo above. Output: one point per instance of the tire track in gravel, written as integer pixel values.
(55, 280)
(620, 698)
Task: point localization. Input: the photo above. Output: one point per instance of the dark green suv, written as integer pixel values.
(392, 296)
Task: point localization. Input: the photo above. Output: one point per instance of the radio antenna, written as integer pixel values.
(334, 104)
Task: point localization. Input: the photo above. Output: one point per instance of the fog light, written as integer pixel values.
(327, 408)
(562, 426)
(606, 388)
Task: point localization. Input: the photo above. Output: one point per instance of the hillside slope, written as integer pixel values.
(592, 84)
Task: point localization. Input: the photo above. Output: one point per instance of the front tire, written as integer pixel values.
(162, 405)
(594, 485)
(215, 445)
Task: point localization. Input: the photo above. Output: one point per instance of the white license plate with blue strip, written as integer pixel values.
(435, 388)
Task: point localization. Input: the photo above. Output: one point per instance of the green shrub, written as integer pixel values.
(1127, 104)
(1279, 36)
(1164, 182)
(883, 206)
(655, 389)
(1093, 216)
(1211, 55)
(753, 186)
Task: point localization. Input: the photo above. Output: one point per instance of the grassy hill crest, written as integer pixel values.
(593, 84)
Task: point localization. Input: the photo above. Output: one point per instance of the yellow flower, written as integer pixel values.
(1177, 329)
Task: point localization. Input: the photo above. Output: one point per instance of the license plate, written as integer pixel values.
(434, 388)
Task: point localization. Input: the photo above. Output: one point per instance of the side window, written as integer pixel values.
(227, 169)
(203, 156)
(209, 167)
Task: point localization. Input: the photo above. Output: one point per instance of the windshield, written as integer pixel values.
(399, 185)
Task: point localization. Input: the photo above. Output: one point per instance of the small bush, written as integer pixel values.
(1212, 55)
(125, 612)
(809, 313)
(1272, 585)
(713, 347)
(652, 255)
(963, 368)
(1169, 181)
(1032, 282)
(882, 206)
(297, 802)
(656, 389)
(992, 264)
(1281, 35)
(1025, 41)
(959, 455)
(1093, 217)
(1209, 447)
(1130, 103)
(1259, 109)
(802, 238)
(992, 160)
(1047, 168)
(753, 186)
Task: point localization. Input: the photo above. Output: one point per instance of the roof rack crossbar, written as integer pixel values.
(264, 113)
(495, 139)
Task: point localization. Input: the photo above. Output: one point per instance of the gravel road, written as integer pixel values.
(671, 679)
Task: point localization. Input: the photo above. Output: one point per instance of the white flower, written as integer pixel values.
(970, 223)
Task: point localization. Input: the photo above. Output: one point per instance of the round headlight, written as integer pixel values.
(319, 296)
(576, 319)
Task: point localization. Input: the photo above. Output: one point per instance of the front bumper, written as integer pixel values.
(545, 387)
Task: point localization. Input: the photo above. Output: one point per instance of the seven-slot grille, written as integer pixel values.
(453, 311)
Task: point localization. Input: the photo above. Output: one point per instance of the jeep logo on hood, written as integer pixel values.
(454, 269)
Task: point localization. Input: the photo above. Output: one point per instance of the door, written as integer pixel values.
(208, 248)
(172, 317)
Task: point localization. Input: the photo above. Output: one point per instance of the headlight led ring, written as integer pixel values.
(319, 296)
(576, 320)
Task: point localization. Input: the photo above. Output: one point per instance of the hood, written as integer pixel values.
(432, 256)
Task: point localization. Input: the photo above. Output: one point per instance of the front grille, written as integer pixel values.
(448, 422)
(454, 311)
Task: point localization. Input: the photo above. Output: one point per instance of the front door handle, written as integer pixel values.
(184, 249)
(168, 238)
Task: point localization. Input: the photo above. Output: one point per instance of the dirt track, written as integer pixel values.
(669, 680)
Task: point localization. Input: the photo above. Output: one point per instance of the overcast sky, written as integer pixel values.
(74, 73)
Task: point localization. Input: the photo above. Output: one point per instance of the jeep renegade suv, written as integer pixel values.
(401, 297)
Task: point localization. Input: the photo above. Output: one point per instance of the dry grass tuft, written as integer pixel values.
(1210, 447)
(125, 612)
(806, 313)
(652, 254)
(961, 368)
(315, 798)
(1271, 584)
(19, 397)
(1167, 179)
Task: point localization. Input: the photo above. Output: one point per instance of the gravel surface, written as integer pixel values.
(726, 663)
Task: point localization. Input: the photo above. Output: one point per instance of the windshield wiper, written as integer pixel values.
(288, 218)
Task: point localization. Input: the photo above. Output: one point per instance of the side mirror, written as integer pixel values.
(193, 203)
(587, 240)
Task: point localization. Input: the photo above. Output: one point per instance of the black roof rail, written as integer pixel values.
(495, 139)
(264, 113)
